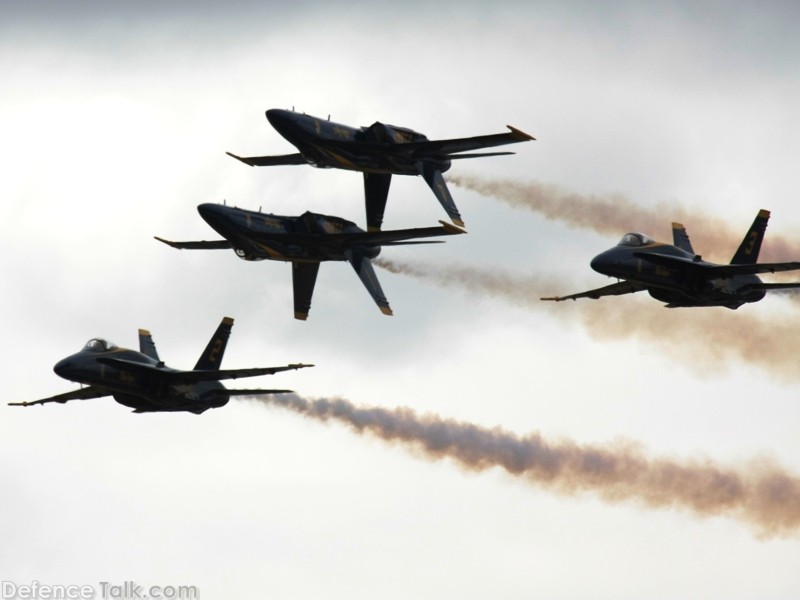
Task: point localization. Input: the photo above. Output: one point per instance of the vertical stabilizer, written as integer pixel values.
(433, 177)
(304, 278)
(211, 359)
(366, 273)
(747, 254)
(681, 239)
(147, 346)
(376, 190)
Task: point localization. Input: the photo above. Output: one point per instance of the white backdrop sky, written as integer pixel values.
(114, 120)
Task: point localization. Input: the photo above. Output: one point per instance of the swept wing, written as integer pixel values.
(215, 245)
(86, 393)
(615, 289)
(197, 376)
(271, 161)
(432, 147)
(359, 238)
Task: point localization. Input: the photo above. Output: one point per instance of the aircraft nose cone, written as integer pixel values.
(278, 118)
(213, 213)
(65, 367)
(601, 263)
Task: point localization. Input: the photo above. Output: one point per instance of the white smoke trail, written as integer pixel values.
(762, 495)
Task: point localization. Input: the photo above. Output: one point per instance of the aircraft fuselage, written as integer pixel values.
(327, 144)
(144, 393)
(676, 286)
(260, 236)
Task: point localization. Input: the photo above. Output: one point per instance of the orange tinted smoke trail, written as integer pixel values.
(702, 338)
(614, 214)
(763, 495)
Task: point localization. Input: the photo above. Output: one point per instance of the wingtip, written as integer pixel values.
(763, 213)
(167, 242)
(300, 316)
(387, 311)
(239, 158)
(519, 134)
(453, 228)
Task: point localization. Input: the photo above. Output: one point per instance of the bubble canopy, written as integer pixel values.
(99, 345)
(635, 239)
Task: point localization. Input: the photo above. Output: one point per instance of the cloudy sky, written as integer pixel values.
(113, 128)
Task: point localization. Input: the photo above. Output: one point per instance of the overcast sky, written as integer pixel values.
(114, 122)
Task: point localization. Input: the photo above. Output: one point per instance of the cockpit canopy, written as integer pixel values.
(99, 345)
(635, 239)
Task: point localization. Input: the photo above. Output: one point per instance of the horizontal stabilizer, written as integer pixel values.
(615, 289)
(254, 392)
(412, 243)
(769, 286)
(270, 161)
(478, 155)
(215, 245)
(711, 270)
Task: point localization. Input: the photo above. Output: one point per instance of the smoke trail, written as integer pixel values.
(703, 339)
(615, 215)
(763, 495)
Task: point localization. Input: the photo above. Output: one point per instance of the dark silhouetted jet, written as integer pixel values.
(379, 151)
(141, 381)
(676, 275)
(305, 241)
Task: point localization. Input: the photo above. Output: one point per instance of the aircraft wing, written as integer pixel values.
(86, 393)
(475, 143)
(271, 161)
(435, 147)
(361, 238)
(711, 270)
(215, 245)
(196, 376)
(380, 238)
(615, 289)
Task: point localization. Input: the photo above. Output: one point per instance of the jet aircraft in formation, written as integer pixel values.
(379, 151)
(676, 275)
(306, 241)
(141, 381)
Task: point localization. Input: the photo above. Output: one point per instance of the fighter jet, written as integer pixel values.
(141, 381)
(674, 274)
(379, 151)
(305, 241)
